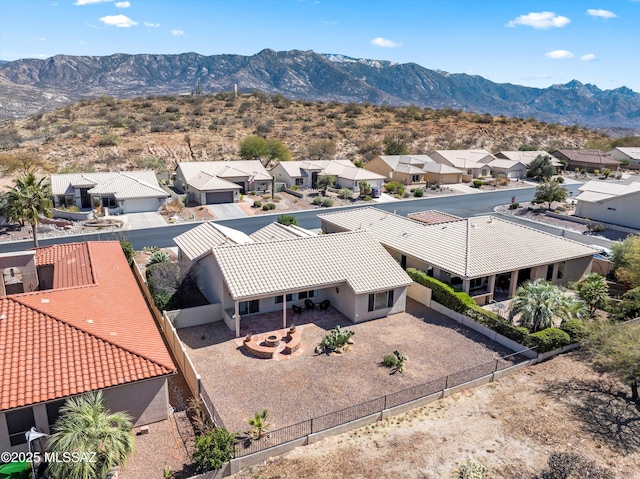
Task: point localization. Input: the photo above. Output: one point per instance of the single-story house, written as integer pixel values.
(351, 270)
(441, 174)
(630, 154)
(589, 160)
(73, 320)
(305, 174)
(610, 202)
(526, 157)
(471, 162)
(215, 182)
(412, 169)
(484, 256)
(510, 169)
(119, 192)
(433, 217)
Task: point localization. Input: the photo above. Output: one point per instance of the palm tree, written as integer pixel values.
(259, 424)
(593, 290)
(539, 303)
(87, 426)
(29, 199)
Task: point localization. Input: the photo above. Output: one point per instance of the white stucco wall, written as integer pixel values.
(618, 211)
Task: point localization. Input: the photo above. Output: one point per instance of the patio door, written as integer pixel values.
(249, 307)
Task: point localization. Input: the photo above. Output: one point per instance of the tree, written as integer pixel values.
(128, 251)
(626, 260)
(395, 145)
(541, 168)
(321, 149)
(628, 308)
(365, 188)
(87, 426)
(550, 191)
(213, 449)
(540, 303)
(29, 199)
(324, 182)
(22, 163)
(614, 348)
(258, 148)
(288, 220)
(593, 290)
(258, 424)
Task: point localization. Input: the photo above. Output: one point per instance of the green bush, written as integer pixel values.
(345, 194)
(550, 339)
(514, 206)
(575, 328)
(394, 187)
(336, 340)
(213, 450)
(418, 193)
(327, 202)
(288, 220)
(367, 198)
(477, 183)
(390, 361)
(268, 207)
(163, 280)
(108, 140)
(158, 257)
(560, 179)
(317, 200)
(128, 250)
(295, 187)
(257, 204)
(472, 469)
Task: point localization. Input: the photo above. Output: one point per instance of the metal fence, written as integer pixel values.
(367, 408)
(211, 409)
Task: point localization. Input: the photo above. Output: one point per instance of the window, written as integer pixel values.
(109, 202)
(279, 298)
(299, 181)
(549, 272)
(18, 423)
(303, 295)
(415, 178)
(249, 307)
(476, 283)
(53, 411)
(561, 270)
(381, 300)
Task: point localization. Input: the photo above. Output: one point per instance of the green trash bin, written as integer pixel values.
(16, 470)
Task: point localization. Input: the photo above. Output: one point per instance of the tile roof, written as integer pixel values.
(277, 231)
(95, 330)
(506, 164)
(340, 168)
(197, 242)
(441, 169)
(469, 248)
(394, 161)
(594, 191)
(466, 159)
(307, 263)
(205, 181)
(433, 217)
(526, 157)
(225, 169)
(632, 152)
(123, 185)
(591, 157)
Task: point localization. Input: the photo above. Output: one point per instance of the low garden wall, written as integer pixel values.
(71, 215)
(196, 316)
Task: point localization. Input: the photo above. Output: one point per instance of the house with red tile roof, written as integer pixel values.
(73, 320)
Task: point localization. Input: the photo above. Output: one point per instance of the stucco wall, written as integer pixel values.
(145, 401)
(25, 263)
(618, 211)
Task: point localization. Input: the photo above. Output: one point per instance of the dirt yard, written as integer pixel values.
(510, 426)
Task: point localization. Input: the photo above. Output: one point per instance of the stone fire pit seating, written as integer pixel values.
(264, 346)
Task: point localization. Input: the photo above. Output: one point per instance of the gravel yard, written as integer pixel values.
(311, 385)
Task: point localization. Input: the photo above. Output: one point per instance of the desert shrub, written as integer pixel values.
(257, 204)
(514, 206)
(367, 198)
(268, 207)
(471, 469)
(551, 338)
(628, 308)
(317, 200)
(575, 328)
(567, 465)
(389, 361)
(477, 183)
(163, 280)
(345, 193)
(596, 227)
(295, 187)
(108, 140)
(560, 179)
(336, 340)
(394, 187)
(213, 449)
(128, 250)
(327, 202)
(288, 220)
(418, 193)
(172, 109)
(502, 180)
(606, 172)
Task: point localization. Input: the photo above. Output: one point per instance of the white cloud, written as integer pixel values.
(122, 4)
(89, 2)
(385, 43)
(599, 13)
(540, 20)
(177, 33)
(589, 57)
(559, 54)
(120, 21)
(151, 25)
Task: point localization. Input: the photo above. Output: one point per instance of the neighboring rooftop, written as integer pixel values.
(526, 157)
(588, 157)
(198, 242)
(225, 169)
(595, 191)
(313, 262)
(278, 231)
(92, 331)
(122, 184)
(433, 217)
(473, 247)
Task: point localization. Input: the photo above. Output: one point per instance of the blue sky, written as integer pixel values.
(534, 43)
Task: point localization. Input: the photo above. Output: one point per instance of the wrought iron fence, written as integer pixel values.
(213, 412)
(367, 408)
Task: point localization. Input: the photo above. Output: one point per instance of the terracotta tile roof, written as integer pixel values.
(84, 336)
(52, 254)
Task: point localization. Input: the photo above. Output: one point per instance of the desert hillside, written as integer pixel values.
(156, 132)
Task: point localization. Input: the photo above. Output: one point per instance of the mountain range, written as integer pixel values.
(32, 85)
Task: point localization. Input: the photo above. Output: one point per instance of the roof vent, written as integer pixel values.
(3, 316)
(45, 300)
(89, 321)
(405, 234)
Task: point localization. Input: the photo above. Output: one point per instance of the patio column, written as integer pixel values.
(465, 285)
(491, 285)
(513, 284)
(284, 311)
(236, 316)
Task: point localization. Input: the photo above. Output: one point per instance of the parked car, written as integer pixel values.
(375, 192)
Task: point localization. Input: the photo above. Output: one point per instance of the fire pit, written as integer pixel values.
(272, 340)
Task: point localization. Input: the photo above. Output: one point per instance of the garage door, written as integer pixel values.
(140, 205)
(219, 197)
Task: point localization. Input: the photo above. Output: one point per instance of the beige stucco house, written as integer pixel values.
(630, 154)
(305, 174)
(414, 169)
(484, 256)
(471, 162)
(610, 202)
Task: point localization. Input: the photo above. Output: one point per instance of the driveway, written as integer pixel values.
(136, 221)
(464, 188)
(227, 211)
(384, 198)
